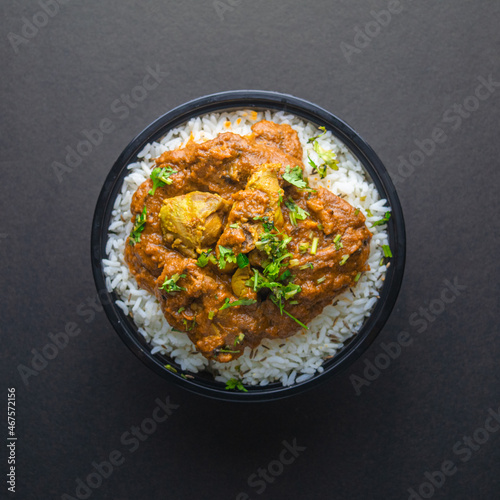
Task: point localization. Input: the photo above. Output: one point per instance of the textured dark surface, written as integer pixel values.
(63, 79)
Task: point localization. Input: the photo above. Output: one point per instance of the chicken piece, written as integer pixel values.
(192, 222)
(259, 202)
(238, 283)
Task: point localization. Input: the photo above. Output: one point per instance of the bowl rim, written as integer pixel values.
(248, 99)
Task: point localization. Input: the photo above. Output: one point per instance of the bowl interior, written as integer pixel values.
(203, 382)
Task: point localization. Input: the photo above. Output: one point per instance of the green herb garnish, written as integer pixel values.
(140, 223)
(296, 320)
(295, 212)
(329, 157)
(338, 243)
(320, 280)
(303, 247)
(387, 250)
(242, 260)
(305, 266)
(295, 176)
(240, 302)
(314, 246)
(239, 338)
(356, 279)
(343, 260)
(161, 177)
(211, 315)
(233, 383)
(234, 226)
(170, 368)
(226, 255)
(170, 284)
(205, 258)
(312, 139)
(193, 324)
(386, 217)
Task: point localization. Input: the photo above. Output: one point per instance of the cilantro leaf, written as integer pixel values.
(205, 258)
(387, 250)
(161, 177)
(140, 223)
(329, 157)
(295, 176)
(240, 302)
(242, 260)
(170, 284)
(226, 255)
(312, 139)
(295, 212)
(343, 260)
(233, 383)
(386, 217)
(338, 243)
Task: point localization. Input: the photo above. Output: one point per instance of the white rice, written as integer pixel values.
(289, 361)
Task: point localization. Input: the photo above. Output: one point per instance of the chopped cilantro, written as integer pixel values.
(242, 260)
(312, 139)
(305, 266)
(295, 212)
(329, 157)
(226, 255)
(296, 320)
(285, 275)
(140, 223)
(338, 243)
(303, 247)
(295, 176)
(234, 226)
(240, 302)
(223, 349)
(320, 280)
(233, 383)
(239, 338)
(314, 246)
(170, 368)
(322, 169)
(386, 217)
(387, 250)
(170, 284)
(205, 258)
(356, 212)
(211, 315)
(161, 177)
(343, 260)
(356, 279)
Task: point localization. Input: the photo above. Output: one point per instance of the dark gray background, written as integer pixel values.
(64, 79)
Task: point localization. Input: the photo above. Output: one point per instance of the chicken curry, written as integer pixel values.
(236, 245)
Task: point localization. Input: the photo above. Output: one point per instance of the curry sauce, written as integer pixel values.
(235, 244)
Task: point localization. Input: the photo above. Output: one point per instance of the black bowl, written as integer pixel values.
(203, 383)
